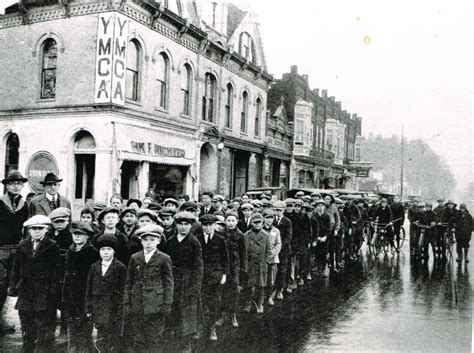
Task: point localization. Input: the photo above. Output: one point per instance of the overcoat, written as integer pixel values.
(40, 205)
(237, 248)
(149, 286)
(78, 264)
(215, 258)
(123, 252)
(186, 257)
(11, 220)
(464, 226)
(258, 250)
(286, 234)
(104, 294)
(275, 245)
(36, 277)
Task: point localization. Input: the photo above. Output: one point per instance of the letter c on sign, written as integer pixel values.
(119, 72)
(107, 62)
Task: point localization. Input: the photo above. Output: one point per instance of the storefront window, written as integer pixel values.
(167, 180)
(84, 153)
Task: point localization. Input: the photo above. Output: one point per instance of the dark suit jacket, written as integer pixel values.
(104, 294)
(11, 221)
(149, 286)
(211, 210)
(40, 205)
(243, 226)
(215, 257)
(286, 233)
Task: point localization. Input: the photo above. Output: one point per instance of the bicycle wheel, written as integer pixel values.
(420, 247)
(401, 237)
(370, 245)
(449, 244)
(377, 244)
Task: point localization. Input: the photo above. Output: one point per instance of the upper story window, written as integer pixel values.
(247, 47)
(186, 89)
(243, 115)
(258, 115)
(48, 69)
(133, 70)
(209, 98)
(12, 155)
(299, 132)
(229, 102)
(162, 78)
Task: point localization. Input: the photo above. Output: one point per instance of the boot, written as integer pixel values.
(235, 323)
(270, 301)
(220, 322)
(213, 335)
(280, 295)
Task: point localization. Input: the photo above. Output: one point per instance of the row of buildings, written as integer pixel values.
(129, 96)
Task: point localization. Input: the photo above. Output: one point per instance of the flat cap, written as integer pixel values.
(137, 201)
(147, 212)
(82, 228)
(167, 211)
(266, 203)
(268, 213)
(154, 206)
(218, 198)
(171, 200)
(37, 221)
(450, 201)
(59, 213)
(232, 213)
(307, 198)
(320, 202)
(256, 217)
(184, 216)
(256, 202)
(279, 204)
(153, 230)
(208, 218)
(107, 240)
(246, 206)
(189, 206)
(300, 193)
(289, 202)
(220, 220)
(128, 210)
(299, 202)
(315, 193)
(99, 206)
(107, 210)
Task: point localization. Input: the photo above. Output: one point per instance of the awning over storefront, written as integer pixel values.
(130, 156)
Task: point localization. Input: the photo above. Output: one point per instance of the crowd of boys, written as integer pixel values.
(148, 271)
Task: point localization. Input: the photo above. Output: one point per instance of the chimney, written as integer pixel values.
(316, 92)
(338, 105)
(294, 69)
(305, 77)
(324, 93)
(332, 99)
(354, 116)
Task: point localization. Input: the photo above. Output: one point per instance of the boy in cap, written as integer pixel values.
(258, 251)
(128, 222)
(79, 258)
(109, 217)
(49, 200)
(13, 213)
(321, 226)
(186, 256)
(237, 248)
(216, 267)
(217, 202)
(275, 248)
(284, 225)
(134, 203)
(167, 221)
(35, 279)
(148, 292)
(104, 294)
(463, 233)
(244, 222)
(171, 203)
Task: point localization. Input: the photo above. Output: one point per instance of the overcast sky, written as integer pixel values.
(393, 62)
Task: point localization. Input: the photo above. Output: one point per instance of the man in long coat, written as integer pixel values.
(284, 225)
(48, 201)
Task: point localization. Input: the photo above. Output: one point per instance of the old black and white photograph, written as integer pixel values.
(236, 176)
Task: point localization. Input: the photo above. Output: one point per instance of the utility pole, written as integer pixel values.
(401, 169)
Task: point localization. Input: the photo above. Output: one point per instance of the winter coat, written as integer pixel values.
(62, 238)
(244, 225)
(414, 214)
(40, 205)
(188, 267)
(333, 213)
(450, 216)
(258, 251)
(11, 220)
(275, 245)
(384, 215)
(78, 264)
(237, 248)
(123, 252)
(352, 213)
(398, 212)
(215, 258)
(35, 278)
(286, 234)
(104, 294)
(427, 218)
(464, 226)
(301, 233)
(323, 223)
(149, 286)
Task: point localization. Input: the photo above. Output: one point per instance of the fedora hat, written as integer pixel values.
(50, 178)
(14, 175)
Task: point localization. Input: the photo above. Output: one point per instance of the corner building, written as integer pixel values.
(132, 96)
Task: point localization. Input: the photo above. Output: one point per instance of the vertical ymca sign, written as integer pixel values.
(110, 70)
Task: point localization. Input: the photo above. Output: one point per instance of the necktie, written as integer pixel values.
(35, 244)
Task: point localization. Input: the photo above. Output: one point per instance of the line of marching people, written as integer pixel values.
(150, 272)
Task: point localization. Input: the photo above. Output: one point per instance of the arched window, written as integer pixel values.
(84, 154)
(186, 89)
(208, 100)
(247, 47)
(12, 155)
(229, 102)
(48, 69)
(258, 115)
(162, 78)
(243, 114)
(133, 67)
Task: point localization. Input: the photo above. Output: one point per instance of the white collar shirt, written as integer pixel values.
(148, 255)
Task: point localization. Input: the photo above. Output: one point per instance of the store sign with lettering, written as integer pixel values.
(156, 150)
(110, 71)
(39, 165)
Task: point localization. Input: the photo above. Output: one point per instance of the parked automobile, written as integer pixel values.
(256, 193)
(291, 193)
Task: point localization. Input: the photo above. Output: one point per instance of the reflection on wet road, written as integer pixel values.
(383, 304)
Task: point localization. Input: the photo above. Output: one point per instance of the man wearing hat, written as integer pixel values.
(148, 292)
(258, 251)
(244, 222)
(186, 256)
(171, 202)
(206, 199)
(450, 216)
(321, 226)
(35, 279)
(299, 195)
(284, 225)
(13, 213)
(463, 233)
(166, 215)
(46, 202)
(216, 267)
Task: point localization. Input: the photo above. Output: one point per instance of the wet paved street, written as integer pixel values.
(384, 304)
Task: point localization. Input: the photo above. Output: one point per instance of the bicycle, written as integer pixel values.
(448, 238)
(420, 246)
(379, 239)
(368, 237)
(400, 238)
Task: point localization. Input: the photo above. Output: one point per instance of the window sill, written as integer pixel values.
(228, 128)
(45, 100)
(163, 110)
(244, 134)
(129, 101)
(185, 116)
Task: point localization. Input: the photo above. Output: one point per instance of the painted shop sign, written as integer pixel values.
(40, 164)
(110, 70)
(156, 150)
